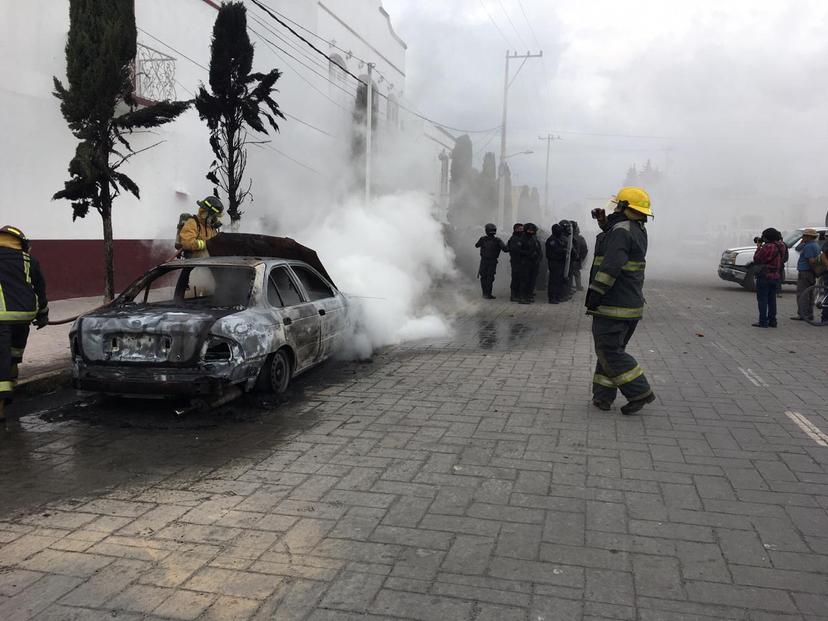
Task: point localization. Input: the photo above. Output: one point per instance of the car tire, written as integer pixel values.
(749, 282)
(276, 373)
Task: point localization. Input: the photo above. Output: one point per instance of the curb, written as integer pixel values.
(44, 381)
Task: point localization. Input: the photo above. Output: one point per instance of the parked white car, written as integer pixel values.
(736, 263)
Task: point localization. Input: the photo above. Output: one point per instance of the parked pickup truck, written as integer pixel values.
(736, 263)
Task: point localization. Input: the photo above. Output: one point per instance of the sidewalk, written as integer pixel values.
(47, 353)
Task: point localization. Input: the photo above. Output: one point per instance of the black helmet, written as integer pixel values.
(530, 228)
(490, 228)
(212, 204)
(516, 226)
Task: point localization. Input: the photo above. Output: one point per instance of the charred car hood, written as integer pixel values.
(145, 335)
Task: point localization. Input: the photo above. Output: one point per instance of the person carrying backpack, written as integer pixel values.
(195, 230)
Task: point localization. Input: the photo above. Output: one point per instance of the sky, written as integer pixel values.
(727, 98)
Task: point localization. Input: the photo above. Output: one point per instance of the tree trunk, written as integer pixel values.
(232, 182)
(109, 255)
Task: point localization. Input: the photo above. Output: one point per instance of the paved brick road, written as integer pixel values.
(461, 479)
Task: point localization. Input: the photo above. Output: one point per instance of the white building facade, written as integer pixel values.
(308, 160)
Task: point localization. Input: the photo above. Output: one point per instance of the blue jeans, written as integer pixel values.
(766, 291)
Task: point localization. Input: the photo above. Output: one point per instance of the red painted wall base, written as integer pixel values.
(73, 268)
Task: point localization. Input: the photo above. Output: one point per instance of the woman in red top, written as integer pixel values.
(771, 253)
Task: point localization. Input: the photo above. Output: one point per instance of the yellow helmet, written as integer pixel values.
(637, 199)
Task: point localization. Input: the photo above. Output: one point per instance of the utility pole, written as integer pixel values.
(548, 138)
(501, 186)
(369, 130)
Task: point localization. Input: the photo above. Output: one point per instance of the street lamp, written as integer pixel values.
(519, 153)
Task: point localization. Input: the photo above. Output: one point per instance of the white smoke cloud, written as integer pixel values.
(386, 257)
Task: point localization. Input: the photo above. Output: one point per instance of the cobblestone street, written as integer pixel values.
(464, 478)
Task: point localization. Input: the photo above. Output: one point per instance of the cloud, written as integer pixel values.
(737, 88)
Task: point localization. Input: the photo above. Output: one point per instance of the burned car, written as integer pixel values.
(210, 328)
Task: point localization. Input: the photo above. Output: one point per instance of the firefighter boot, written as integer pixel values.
(634, 406)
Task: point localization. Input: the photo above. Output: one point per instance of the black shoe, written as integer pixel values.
(606, 406)
(634, 406)
(524, 301)
(759, 325)
(488, 296)
(797, 318)
(553, 301)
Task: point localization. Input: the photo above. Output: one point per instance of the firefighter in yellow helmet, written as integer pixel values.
(615, 299)
(197, 230)
(22, 302)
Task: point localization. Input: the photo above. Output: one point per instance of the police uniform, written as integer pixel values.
(490, 248)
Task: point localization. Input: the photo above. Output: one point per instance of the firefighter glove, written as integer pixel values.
(593, 299)
(42, 320)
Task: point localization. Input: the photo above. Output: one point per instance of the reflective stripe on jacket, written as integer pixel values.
(22, 287)
(195, 233)
(618, 269)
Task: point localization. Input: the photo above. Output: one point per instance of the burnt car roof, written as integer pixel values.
(225, 261)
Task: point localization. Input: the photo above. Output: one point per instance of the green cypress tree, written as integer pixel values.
(238, 101)
(100, 51)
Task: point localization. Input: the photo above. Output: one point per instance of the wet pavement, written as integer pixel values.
(459, 478)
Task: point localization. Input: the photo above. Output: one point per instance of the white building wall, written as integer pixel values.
(171, 175)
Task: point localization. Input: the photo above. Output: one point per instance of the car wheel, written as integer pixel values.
(276, 373)
(749, 282)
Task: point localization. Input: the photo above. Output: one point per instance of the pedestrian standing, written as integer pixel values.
(809, 251)
(533, 253)
(582, 251)
(615, 299)
(770, 257)
(22, 302)
(490, 248)
(823, 260)
(556, 261)
(515, 248)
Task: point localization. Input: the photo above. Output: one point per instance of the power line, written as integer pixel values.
(314, 60)
(301, 38)
(349, 53)
(514, 77)
(564, 131)
(503, 8)
(494, 23)
(172, 48)
(529, 23)
(285, 155)
(276, 18)
(274, 46)
(197, 64)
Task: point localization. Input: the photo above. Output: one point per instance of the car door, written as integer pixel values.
(300, 317)
(329, 305)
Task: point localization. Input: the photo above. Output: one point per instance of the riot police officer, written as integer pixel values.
(490, 248)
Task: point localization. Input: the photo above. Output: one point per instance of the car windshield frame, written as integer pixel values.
(138, 293)
(789, 238)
